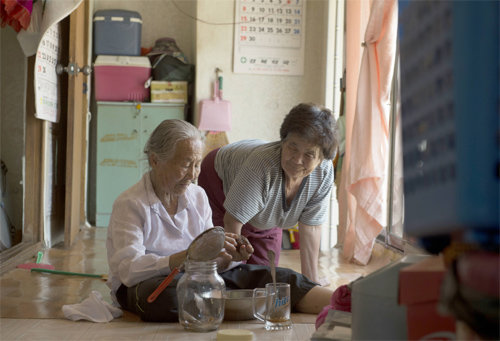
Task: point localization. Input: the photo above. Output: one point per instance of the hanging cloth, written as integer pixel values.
(16, 13)
(367, 173)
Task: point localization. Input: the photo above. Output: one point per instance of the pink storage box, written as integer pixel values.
(122, 78)
(419, 291)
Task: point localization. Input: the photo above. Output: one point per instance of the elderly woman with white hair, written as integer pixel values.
(154, 221)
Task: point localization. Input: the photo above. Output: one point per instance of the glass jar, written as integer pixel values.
(200, 295)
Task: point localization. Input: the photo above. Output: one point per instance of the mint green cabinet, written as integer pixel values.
(122, 131)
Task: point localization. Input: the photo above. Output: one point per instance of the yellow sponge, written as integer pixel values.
(234, 335)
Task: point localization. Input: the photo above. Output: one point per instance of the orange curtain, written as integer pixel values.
(369, 71)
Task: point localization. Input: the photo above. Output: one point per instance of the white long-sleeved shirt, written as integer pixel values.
(142, 235)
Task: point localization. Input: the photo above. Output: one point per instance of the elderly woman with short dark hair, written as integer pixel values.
(154, 221)
(258, 188)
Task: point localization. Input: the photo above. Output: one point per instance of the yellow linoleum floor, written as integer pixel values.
(30, 303)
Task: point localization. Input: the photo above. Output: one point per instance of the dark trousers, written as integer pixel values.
(245, 276)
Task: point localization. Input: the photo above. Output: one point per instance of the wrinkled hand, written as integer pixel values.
(223, 260)
(238, 246)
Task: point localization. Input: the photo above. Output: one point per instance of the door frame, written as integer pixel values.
(77, 126)
(75, 152)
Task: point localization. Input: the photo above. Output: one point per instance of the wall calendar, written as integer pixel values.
(269, 37)
(46, 80)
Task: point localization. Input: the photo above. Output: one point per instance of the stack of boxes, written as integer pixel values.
(171, 72)
(121, 73)
(420, 286)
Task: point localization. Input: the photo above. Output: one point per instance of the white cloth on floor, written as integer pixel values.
(93, 308)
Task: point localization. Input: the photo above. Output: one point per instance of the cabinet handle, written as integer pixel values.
(138, 108)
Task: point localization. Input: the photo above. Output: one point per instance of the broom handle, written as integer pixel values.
(39, 257)
(65, 273)
(216, 90)
(220, 87)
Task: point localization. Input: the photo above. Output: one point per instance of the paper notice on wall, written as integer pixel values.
(46, 79)
(48, 54)
(269, 37)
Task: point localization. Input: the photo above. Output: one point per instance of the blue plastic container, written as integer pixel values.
(117, 32)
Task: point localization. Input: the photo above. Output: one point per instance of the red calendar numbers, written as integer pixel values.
(273, 21)
(269, 37)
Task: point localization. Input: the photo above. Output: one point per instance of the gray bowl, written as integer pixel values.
(238, 304)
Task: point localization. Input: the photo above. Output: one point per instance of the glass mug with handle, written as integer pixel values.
(276, 315)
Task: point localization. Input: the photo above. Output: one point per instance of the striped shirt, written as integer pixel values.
(253, 183)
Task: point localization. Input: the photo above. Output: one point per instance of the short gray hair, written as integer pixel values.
(164, 138)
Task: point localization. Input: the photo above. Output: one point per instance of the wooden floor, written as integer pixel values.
(30, 303)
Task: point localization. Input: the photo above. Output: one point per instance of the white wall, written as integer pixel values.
(259, 102)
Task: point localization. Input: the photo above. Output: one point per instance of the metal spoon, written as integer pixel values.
(270, 257)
